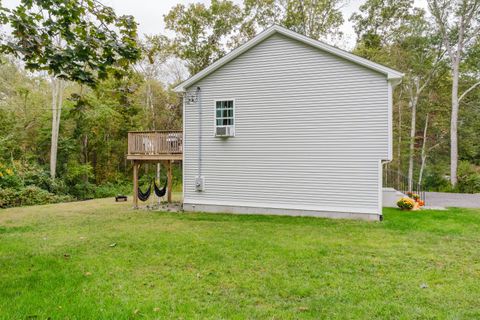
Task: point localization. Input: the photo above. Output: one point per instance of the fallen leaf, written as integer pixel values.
(88, 274)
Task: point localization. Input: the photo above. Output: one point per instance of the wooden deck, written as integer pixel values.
(163, 147)
(155, 145)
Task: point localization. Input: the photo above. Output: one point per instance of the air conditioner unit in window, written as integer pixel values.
(225, 131)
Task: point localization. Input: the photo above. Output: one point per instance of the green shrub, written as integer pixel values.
(77, 178)
(30, 195)
(436, 180)
(41, 178)
(112, 189)
(468, 178)
(82, 190)
(8, 198)
(9, 178)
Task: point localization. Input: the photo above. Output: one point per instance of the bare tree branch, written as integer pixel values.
(468, 90)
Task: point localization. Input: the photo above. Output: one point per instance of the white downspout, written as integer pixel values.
(199, 101)
(199, 181)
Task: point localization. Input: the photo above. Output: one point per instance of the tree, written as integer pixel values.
(80, 41)
(459, 24)
(258, 15)
(397, 34)
(423, 60)
(425, 149)
(379, 21)
(156, 51)
(58, 86)
(201, 31)
(22, 97)
(314, 18)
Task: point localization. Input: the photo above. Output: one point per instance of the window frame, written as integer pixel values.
(215, 115)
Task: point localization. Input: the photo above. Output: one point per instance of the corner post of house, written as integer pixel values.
(136, 166)
(169, 185)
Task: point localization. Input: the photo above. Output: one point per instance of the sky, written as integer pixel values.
(149, 14)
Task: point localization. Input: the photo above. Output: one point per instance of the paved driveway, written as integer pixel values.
(461, 200)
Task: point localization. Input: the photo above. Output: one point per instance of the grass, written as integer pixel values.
(100, 260)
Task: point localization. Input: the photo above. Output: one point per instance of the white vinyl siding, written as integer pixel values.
(311, 130)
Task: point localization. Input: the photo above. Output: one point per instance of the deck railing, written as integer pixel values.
(155, 142)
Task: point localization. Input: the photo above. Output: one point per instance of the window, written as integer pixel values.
(224, 118)
(224, 113)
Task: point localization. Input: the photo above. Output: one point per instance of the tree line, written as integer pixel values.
(76, 77)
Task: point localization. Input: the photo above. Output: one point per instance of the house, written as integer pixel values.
(288, 125)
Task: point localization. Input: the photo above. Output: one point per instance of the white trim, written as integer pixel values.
(390, 121)
(390, 73)
(281, 206)
(380, 187)
(215, 115)
(183, 146)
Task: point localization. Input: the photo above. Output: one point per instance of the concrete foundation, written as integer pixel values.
(276, 211)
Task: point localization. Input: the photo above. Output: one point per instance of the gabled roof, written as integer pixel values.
(390, 73)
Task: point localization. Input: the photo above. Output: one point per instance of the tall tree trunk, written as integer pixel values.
(414, 95)
(453, 125)
(57, 101)
(412, 145)
(85, 155)
(149, 102)
(424, 151)
(399, 147)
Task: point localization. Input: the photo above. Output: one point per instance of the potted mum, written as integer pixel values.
(408, 204)
(412, 202)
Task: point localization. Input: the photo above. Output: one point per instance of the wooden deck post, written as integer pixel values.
(159, 200)
(135, 184)
(169, 186)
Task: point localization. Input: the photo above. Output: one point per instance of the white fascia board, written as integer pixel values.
(390, 73)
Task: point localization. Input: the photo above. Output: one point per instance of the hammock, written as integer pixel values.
(143, 196)
(160, 192)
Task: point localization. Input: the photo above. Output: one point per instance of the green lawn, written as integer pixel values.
(100, 260)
